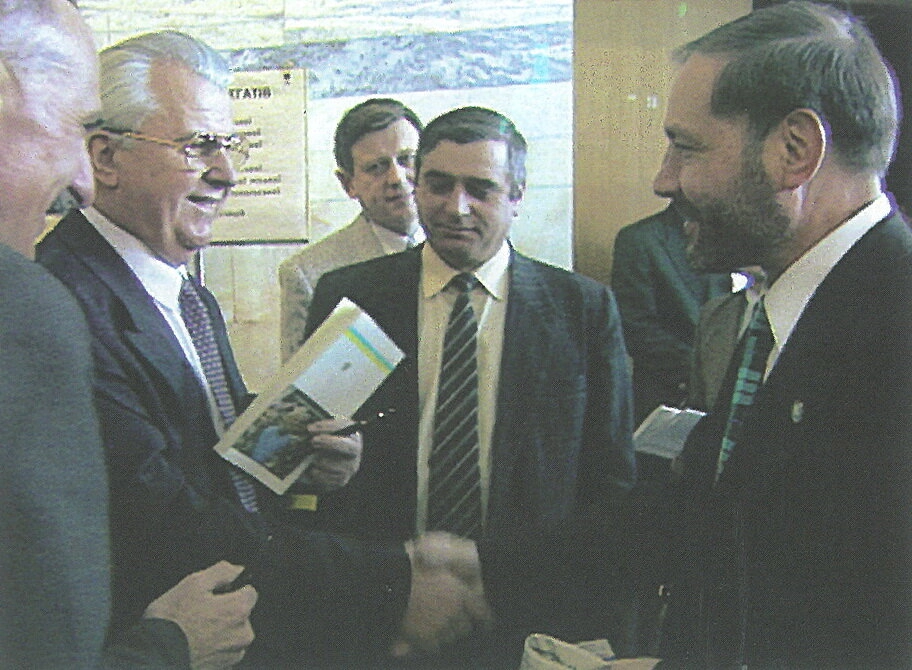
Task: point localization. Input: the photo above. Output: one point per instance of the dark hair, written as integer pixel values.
(806, 55)
(367, 117)
(474, 124)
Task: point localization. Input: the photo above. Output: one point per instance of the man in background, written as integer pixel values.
(512, 429)
(54, 544)
(723, 320)
(659, 296)
(795, 526)
(375, 144)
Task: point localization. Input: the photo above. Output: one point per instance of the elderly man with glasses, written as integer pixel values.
(164, 160)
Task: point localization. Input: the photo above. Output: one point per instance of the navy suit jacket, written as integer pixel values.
(173, 506)
(562, 455)
(812, 520)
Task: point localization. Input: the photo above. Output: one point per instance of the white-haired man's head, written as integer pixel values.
(48, 100)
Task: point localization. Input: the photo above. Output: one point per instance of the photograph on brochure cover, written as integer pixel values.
(333, 373)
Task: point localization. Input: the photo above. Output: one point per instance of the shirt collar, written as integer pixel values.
(789, 294)
(393, 241)
(161, 280)
(492, 275)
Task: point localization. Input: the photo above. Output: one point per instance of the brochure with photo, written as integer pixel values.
(333, 373)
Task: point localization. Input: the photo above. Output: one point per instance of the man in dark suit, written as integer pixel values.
(659, 296)
(795, 545)
(163, 167)
(551, 425)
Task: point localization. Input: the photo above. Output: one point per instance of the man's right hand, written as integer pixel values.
(447, 600)
(217, 625)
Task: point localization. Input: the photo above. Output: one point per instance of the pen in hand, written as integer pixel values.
(355, 426)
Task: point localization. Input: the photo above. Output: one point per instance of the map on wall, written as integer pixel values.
(269, 202)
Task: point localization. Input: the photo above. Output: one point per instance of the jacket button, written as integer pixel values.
(797, 413)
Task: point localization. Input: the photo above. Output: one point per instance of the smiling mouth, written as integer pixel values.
(206, 202)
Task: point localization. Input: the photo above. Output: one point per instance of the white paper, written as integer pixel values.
(665, 430)
(333, 373)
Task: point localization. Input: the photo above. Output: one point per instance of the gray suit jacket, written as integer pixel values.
(562, 457)
(55, 582)
(54, 591)
(715, 341)
(298, 275)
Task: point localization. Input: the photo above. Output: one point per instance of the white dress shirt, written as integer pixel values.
(161, 281)
(489, 302)
(787, 297)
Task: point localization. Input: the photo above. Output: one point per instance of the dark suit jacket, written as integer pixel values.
(803, 551)
(173, 506)
(561, 452)
(659, 296)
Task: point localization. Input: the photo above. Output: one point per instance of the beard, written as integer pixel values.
(746, 228)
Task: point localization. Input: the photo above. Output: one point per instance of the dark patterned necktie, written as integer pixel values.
(757, 344)
(199, 324)
(454, 485)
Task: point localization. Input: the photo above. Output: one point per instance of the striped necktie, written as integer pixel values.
(756, 345)
(454, 484)
(199, 324)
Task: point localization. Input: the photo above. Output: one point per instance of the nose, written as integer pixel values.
(665, 183)
(399, 175)
(83, 185)
(221, 169)
(459, 202)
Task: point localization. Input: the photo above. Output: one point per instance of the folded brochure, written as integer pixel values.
(665, 430)
(333, 373)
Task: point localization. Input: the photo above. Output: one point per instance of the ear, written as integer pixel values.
(799, 145)
(346, 180)
(101, 152)
(517, 191)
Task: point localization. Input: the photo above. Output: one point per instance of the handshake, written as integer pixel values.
(447, 600)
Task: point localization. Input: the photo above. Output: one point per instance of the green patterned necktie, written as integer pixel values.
(757, 344)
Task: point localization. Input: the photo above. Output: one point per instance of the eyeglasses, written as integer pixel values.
(199, 148)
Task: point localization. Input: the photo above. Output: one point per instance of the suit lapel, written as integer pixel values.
(365, 244)
(528, 320)
(526, 343)
(388, 292)
(812, 364)
(392, 300)
(143, 326)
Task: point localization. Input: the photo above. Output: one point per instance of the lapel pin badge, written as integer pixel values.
(797, 411)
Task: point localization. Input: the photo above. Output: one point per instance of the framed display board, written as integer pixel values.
(269, 202)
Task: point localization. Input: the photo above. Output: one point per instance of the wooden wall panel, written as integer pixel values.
(622, 71)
